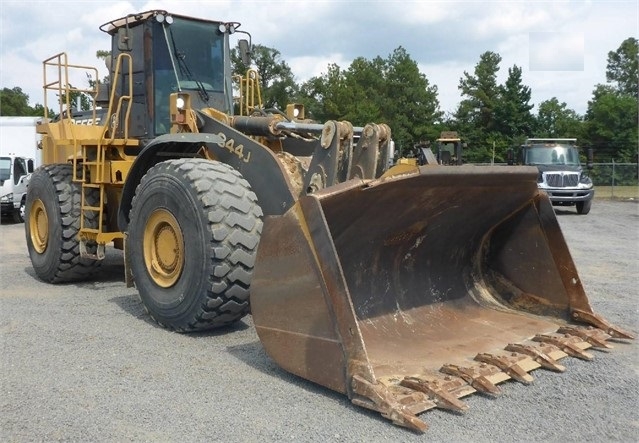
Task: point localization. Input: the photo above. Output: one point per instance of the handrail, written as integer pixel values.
(63, 87)
(112, 118)
(250, 97)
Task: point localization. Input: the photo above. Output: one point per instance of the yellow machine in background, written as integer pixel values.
(404, 288)
(447, 150)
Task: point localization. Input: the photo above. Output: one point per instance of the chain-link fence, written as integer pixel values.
(616, 180)
(615, 174)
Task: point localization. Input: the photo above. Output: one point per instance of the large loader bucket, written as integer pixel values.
(413, 290)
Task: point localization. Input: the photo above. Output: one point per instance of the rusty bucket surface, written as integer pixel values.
(416, 289)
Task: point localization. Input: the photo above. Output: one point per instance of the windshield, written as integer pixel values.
(188, 55)
(196, 55)
(5, 168)
(557, 155)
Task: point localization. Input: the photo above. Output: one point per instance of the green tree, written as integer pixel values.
(354, 94)
(622, 67)
(325, 95)
(556, 120)
(612, 117)
(277, 82)
(410, 106)
(475, 115)
(15, 102)
(390, 91)
(362, 92)
(514, 119)
(482, 92)
(611, 124)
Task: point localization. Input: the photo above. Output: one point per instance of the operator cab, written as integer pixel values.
(169, 53)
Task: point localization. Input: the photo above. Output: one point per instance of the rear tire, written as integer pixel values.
(583, 207)
(193, 234)
(52, 225)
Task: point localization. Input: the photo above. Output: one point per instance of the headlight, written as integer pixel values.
(179, 103)
(585, 180)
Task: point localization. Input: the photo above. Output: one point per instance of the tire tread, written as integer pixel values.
(69, 265)
(233, 215)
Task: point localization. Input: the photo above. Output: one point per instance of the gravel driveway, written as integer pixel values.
(83, 362)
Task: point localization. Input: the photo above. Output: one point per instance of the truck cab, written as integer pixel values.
(561, 175)
(15, 172)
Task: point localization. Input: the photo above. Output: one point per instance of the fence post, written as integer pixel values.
(612, 178)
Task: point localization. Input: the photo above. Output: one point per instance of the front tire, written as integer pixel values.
(18, 214)
(193, 234)
(583, 207)
(52, 225)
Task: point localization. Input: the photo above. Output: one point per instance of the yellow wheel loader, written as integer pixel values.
(405, 288)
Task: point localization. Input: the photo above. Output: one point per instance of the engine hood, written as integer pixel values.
(559, 168)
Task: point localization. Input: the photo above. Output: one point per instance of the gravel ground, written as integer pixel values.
(83, 362)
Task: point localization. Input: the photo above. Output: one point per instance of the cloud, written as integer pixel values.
(556, 51)
(306, 67)
(445, 38)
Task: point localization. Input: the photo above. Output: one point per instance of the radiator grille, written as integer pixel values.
(562, 180)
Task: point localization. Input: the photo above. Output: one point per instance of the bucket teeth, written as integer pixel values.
(474, 377)
(377, 397)
(537, 354)
(570, 344)
(510, 364)
(596, 337)
(400, 398)
(596, 320)
(442, 398)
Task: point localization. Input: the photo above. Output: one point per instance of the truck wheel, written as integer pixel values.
(18, 214)
(583, 207)
(52, 225)
(194, 229)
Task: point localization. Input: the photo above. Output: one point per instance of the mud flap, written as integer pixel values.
(409, 292)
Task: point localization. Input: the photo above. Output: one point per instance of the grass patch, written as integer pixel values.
(617, 192)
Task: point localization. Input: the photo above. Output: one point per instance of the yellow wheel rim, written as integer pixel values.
(163, 248)
(39, 226)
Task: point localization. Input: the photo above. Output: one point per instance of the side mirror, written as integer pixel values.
(245, 51)
(591, 155)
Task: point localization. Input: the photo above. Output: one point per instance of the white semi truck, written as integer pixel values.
(19, 156)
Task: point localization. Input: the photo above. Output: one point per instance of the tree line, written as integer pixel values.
(491, 117)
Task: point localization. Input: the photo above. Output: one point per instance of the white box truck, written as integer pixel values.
(19, 156)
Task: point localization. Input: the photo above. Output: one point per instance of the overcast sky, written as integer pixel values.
(562, 46)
